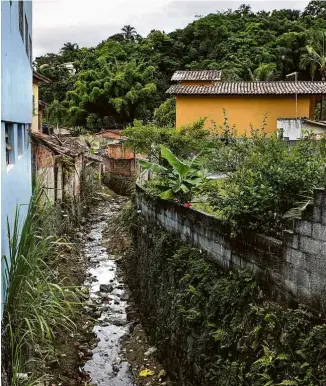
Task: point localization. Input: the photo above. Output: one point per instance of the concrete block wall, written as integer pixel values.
(295, 265)
(305, 250)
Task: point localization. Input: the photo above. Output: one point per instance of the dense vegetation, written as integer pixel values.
(264, 183)
(125, 77)
(213, 327)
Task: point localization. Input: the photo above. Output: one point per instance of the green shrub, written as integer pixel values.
(178, 179)
(271, 179)
(213, 327)
(183, 142)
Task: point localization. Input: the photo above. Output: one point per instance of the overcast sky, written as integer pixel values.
(56, 22)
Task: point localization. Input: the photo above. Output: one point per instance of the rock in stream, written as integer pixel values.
(108, 301)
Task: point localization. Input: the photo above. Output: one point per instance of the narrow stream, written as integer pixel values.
(108, 297)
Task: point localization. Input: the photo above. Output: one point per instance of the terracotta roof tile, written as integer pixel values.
(251, 88)
(197, 75)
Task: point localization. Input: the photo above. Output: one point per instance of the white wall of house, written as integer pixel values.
(294, 129)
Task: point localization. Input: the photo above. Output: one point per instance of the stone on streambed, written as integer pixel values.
(150, 351)
(106, 287)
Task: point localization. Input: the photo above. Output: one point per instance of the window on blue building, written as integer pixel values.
(26, 37)
(30, 49)
(20, 139)
(21, 18)
(10, 150)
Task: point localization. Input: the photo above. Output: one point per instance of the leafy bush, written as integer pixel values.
(213, 327)
(177, 180)
(164, 115)
(270, 180)
(183, 142)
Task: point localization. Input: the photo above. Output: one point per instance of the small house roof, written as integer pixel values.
(251, 88)
(197, 75)
(71, 147)
(40, 78)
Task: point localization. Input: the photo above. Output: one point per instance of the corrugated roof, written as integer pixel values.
(41, 78)
(197, 75)
(251, 88)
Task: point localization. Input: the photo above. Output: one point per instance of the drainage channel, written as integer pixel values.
(107, 295)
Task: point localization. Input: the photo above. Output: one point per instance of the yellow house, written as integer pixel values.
(202, 94)
(38, 105)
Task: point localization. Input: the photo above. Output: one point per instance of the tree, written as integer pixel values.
(316, 8)
(265, 72)
(56, 112)
(69, 47)
(129, 32)
(315, 55)
(69, 50)
(164, 115)
(315, 59)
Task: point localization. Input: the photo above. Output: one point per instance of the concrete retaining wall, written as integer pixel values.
(295, 265)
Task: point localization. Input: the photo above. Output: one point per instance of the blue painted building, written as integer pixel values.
(16, 113)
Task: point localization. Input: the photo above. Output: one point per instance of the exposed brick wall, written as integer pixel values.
(44, 157)
(56, 180)
(123, 167)
(118, 151)
(295, 265)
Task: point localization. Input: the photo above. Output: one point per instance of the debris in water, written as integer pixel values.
(146, 373)
(150, 351)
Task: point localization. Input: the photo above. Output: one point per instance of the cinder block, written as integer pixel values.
(319, 232)
(236, 260)
(295, 242)
(323, 216)
(323, 249)
(217, 248)
(304, 228)
(317, 214)
(309, 245)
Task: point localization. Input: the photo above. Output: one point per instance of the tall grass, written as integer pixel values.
(37, 307)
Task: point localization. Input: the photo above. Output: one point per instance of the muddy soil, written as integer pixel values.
(109, 346)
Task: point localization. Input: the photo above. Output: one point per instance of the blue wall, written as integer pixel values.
(16, 108)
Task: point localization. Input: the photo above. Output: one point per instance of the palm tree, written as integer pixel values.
(265, 72)
(315, 59)
(56, 111)
(129, 32)
(315, 55)
(69, 48)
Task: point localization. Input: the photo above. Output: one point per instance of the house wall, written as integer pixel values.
(241, 110)
(35, 108)
(16, 70)
(293, 128)
(16, 107)
(293, 267)
(119, 151)
(45, 163)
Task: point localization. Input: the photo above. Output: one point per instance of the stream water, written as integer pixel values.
(109, 299)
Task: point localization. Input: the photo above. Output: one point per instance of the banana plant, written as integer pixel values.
(178, 179)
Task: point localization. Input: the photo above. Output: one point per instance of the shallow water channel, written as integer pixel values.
(109, 299)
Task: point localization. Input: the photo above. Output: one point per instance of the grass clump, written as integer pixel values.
(38, 306)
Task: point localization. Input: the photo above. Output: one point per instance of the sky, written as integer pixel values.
(87, 23)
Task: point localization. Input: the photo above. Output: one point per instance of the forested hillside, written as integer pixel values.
(125, 77)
